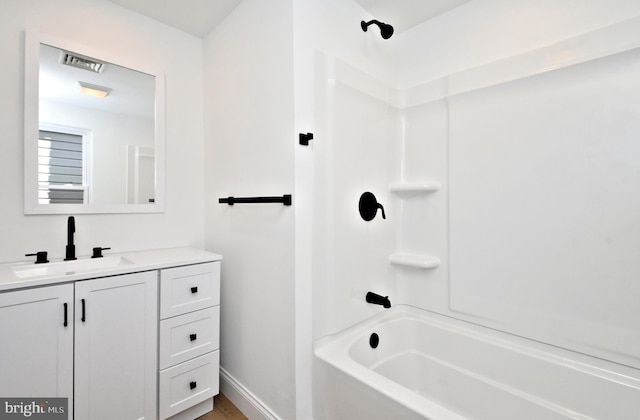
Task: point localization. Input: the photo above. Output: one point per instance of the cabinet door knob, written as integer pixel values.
(194, 290)
(65, 315)
(193, 337)
(192, 384)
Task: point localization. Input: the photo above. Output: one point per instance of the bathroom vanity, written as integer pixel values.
(130, 336)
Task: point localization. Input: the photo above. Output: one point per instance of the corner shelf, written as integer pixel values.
(407, 190)
(414, 187)
(417, 261)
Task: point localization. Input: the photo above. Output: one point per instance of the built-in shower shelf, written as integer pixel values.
(415, 187)
(412, 260)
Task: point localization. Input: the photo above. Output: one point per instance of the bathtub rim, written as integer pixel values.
(334, 349)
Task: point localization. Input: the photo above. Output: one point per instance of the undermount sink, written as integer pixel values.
(69, 267)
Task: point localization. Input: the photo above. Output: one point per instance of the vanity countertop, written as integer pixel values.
(127, 262)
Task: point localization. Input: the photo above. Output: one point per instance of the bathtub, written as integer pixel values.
(435, 367)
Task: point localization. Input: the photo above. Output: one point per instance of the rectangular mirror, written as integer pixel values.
(94, 131)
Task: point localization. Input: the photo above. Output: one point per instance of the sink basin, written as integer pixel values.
(63, 268)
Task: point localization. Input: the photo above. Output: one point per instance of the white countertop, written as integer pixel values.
(135, 262)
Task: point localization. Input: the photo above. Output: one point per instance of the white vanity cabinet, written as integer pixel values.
(135, 340)
(108, 369)
(189, 340)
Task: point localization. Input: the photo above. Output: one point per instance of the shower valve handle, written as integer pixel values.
(368, 206)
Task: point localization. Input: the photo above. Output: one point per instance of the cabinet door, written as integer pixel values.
(36, 348)
(116, 347)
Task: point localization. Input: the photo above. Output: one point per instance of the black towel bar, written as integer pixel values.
(285, 199)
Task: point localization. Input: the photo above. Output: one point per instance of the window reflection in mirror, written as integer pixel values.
(63, 166)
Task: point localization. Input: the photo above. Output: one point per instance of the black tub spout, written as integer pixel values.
(378, 300)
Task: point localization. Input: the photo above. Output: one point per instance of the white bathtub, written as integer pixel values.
(435, 367)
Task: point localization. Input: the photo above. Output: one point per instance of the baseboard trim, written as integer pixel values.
(242, 398)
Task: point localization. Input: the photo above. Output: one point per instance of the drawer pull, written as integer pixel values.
(192, 384)
(193, 337)
(194, 290)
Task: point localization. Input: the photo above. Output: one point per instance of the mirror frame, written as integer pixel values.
(33, 39)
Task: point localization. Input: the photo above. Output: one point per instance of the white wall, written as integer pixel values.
(135, 39)
(249, 151)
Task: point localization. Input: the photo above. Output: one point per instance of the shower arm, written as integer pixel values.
(365, 25)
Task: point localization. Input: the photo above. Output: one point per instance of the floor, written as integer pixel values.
(223, 409)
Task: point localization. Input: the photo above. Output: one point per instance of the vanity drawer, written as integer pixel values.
(189, 288)
(187, 336)
(188, 383)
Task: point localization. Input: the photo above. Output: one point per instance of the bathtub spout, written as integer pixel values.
(378, 300)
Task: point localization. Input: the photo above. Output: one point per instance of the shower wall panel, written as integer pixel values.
(544, 175)
(354, 150)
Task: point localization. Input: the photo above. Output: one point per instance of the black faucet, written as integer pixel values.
(71, 248)
(378, 300)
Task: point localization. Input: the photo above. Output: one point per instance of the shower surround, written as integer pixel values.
(508, 189)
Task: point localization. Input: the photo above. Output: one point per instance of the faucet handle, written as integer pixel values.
(41, 257)
(97, 252)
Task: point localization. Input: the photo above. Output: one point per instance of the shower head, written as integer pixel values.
(386, 30)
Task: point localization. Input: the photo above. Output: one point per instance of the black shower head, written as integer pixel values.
(386, 30)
